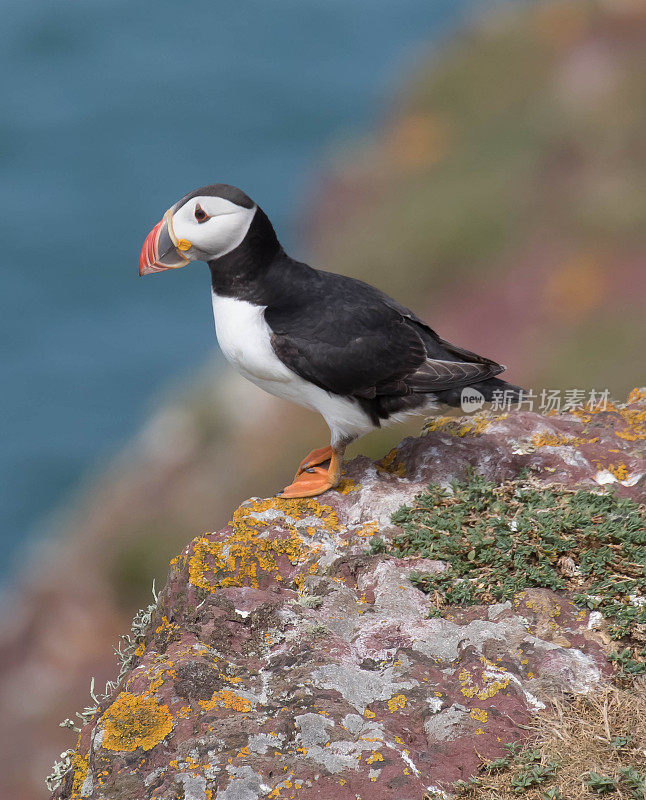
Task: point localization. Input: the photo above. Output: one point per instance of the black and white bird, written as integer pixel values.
(328, 342)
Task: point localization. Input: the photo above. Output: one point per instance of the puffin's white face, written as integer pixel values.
(213, 226)
(201, 228)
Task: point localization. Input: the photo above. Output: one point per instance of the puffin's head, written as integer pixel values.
(206, 224)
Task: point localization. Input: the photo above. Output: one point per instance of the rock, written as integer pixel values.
(285, 659)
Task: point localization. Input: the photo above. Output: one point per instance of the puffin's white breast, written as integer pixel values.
(245, 339)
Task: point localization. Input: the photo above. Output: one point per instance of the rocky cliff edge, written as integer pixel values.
(287, 658)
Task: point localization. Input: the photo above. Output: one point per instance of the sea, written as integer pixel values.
(111, 110)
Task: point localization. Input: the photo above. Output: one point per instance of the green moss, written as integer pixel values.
(500, 540)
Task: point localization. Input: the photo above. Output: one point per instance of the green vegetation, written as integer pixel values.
(528, 769)
(500, 540)
(588, 748)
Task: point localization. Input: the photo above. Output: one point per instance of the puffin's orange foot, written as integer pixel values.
(314, 480)
(308, 484)
(315, 458)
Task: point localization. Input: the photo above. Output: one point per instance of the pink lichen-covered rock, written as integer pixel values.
(284, 660)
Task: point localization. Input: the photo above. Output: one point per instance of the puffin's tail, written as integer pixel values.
(493, 389)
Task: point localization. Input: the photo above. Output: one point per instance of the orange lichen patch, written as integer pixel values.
(471, 427)
(493, 680)
(478, 714)
(141, 649)
(167, 628)
(550, 439)
(230, 679)
(80, 767)
(633, 419)
(585, 413)
(546, 439)
(368, 714)
(186, 764)
(538, 603)
(135, 721)
(287, 783)
(397, 702)
(374, 756)
(243, 555)
(178, 561)
(157, 680)
(367, 530)
(347, 485)
(227, 699)
(390, 464)
(620, 471)
(248, 551)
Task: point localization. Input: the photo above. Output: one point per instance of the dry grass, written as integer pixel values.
(602, 733)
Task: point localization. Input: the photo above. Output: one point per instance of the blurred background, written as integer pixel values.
(484, 162)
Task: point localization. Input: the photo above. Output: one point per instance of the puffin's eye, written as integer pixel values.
(200, 213)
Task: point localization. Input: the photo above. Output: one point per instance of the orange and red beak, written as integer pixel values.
(160, 251)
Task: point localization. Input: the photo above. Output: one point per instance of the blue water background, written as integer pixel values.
(112, 110)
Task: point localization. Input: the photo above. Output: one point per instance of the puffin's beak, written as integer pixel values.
(160, 251)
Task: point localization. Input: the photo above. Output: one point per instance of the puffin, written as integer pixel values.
(329, 342)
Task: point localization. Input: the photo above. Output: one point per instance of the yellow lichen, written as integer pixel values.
(367, 530)
(167, 628)
(493, 680)
(347, 485)
(80, 767)
(390, 464)
(539, 604)
(135, 721)
(227, 699)
(374, 756)
(620, 471)
(546, 439)
(396, 702)
(248, 551)
(474, 426)
(633, 419)
(478, 714)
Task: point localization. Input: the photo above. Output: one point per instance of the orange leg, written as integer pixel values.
(314, 459)
(314, 480)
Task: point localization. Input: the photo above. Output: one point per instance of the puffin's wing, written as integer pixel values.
(346, 357)
(356, 341)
